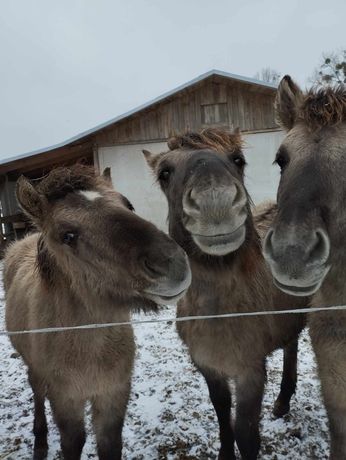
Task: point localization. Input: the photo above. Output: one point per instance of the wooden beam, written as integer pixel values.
(64, 161)
(47, 158)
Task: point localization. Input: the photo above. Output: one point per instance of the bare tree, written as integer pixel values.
(331, 70)
(269, 75)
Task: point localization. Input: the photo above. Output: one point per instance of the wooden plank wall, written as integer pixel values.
(249, 107)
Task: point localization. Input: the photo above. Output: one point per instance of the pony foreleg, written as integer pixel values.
(69, 416)
(289, 380)
(220, 395)
(250, 388)
(108, 420)
(40, 421)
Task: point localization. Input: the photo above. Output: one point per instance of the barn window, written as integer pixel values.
(214, 114)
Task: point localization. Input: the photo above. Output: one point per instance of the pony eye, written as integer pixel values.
(164, 175)
(70, 238)
(281, 160)
(239, 161)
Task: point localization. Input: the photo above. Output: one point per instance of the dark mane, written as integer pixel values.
(209, 138)
(324, 106)
(61, 181)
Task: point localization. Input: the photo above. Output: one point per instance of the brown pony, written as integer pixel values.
(306, 246)
(202, 176)
(92, 261)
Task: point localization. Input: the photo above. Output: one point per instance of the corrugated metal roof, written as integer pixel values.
(164, 96)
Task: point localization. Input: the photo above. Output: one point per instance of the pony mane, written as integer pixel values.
(63, 180)
(209, 138)
(324, 106)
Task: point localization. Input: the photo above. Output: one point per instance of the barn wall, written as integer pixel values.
(131, 175)
(262, 177)
(212, 104)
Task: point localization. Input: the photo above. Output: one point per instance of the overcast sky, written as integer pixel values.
(69, 65)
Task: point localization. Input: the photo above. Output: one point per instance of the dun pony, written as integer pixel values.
(306, 247)
(202, 176)
(92, 260)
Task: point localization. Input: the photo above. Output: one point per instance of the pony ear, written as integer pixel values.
(151, 158)
(236, 131)
(107, 174)
(287, 102)
(33, 203)
(236, 135)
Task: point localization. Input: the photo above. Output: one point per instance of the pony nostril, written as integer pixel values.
(320, 249)
(311, 249)
(239, 198)
(190, 203)
(193, 200)
(151, 268)
(267, 245)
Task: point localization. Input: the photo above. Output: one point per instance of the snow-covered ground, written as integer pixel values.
(170, 415)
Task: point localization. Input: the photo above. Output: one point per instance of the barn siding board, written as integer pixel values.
(197, 120)
(255, 116)
(263, 107)
(242, 122)
(233, 111)
(248, 110)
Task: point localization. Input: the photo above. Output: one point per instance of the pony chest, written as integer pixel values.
(88, 361)
(100, 346)
(223, 344)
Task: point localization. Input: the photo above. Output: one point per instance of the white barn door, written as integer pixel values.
(131, 177)
(261, 176)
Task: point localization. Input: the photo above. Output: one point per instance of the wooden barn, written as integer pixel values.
(215, 99)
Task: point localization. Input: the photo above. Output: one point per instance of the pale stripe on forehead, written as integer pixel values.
(90, 195)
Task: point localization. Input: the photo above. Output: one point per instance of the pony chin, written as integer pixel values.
(298, 291)
(220, 245)
(300, 288)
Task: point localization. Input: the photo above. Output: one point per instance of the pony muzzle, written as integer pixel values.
(298, 267)
(216, 217)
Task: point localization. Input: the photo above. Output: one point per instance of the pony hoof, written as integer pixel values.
(280, 409)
